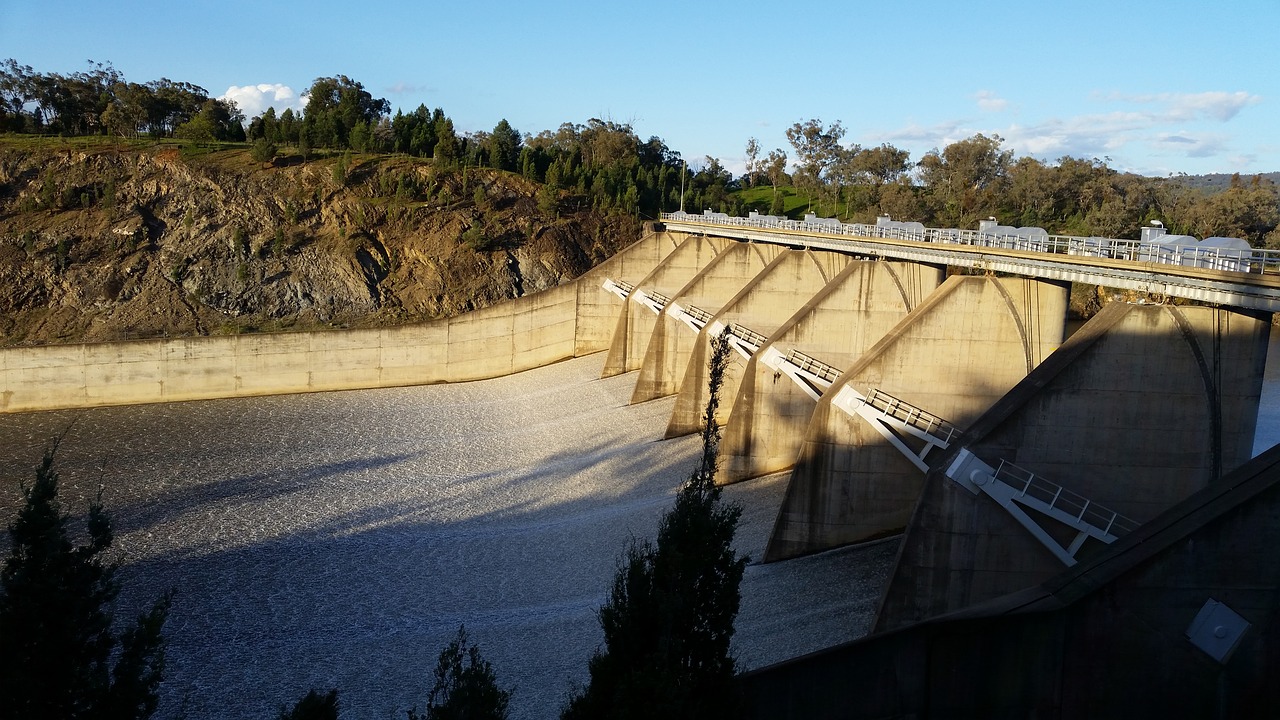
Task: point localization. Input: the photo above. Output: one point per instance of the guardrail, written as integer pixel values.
(813, 366)
(748, 335)
(1254, 260)
(702, 316)
(909, 414)
(1055, 497)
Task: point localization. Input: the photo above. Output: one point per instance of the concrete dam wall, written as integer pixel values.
(568, 321)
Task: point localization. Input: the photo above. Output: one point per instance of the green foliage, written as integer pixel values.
(314, 706)
(476, 239)
(62, 254)
(340, 169)
(263, 151)
(56, 644)
(109, 194)
(504, 146)
(335, 106)
(669, 619)
(549, 200)
(278, 243)
(466, 687)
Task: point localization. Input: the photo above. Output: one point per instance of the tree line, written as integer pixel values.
(100, 101)
(977, 178)
(609, 167)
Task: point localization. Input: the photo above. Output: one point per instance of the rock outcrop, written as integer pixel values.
(104, 242)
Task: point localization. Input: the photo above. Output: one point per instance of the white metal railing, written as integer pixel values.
(813, 366)
(1017, 490)
(620, 288)
(1052, 498)
(1254, 260)
(909, 414)
(750, 336)
(702, 316)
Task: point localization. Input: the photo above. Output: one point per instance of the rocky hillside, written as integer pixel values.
(102, 242)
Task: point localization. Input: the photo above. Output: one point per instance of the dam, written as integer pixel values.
(941, 422)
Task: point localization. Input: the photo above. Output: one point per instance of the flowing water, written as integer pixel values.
(338, 540)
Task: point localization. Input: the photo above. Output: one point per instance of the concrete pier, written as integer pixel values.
(957, 353)
(672, 342)
(850, 314)
(1142, 407)
(766, 303)
(635, 322)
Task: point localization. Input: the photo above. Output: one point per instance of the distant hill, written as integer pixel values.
(1215, 182)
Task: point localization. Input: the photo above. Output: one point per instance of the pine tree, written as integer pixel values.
(466, 686)
(669, 618)
(314, 706)
(56, 643)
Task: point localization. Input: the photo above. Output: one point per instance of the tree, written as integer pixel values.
(56, 644)
(817, 148)
(466, 687)
(314, 706)
(334, 106)
(966, 178)
(753, 161)
(504, 146)
(263, 150)
(775, 166)
(669, 618)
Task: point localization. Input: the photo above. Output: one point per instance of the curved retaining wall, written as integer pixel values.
(560, 323)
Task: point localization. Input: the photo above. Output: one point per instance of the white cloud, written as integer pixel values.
(402, 88)
(1196, 145)
(253, 100)
(988, 101)
(1140, 125)
(1182, 107)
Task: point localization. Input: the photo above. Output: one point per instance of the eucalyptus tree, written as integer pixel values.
(817, 148)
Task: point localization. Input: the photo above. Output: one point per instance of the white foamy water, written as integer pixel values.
(338, 540)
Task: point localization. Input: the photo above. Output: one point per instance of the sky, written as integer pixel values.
(1155, 88)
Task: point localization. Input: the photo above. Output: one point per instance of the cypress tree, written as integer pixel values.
(669, 618)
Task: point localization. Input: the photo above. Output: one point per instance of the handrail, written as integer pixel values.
(1056, 497)
(813, 366)
(657, 297)
(1253, 260)
(748, 335)
(697, 313)
(911, 415)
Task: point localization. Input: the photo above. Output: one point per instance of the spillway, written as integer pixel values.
(338, 540)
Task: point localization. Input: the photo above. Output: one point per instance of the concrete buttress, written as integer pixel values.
(854, 310)
(955, 355)
(766, 303)
(1143, 406)
(672, 341)
(636, 321)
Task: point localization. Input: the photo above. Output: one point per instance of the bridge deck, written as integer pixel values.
(1256, 289)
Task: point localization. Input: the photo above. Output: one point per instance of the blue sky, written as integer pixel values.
(1156, 87)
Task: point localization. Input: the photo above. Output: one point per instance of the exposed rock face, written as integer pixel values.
(99, 243)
